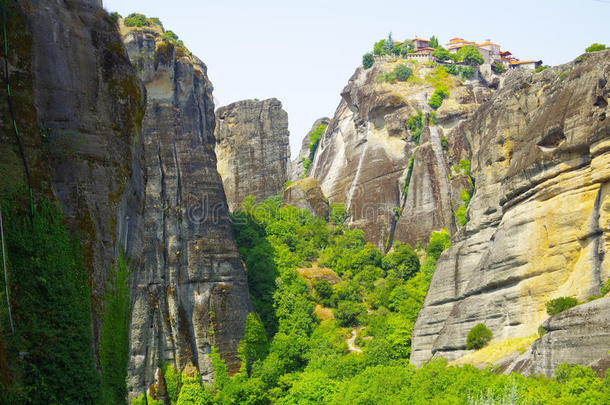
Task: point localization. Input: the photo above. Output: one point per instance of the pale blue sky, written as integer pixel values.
(304, 52)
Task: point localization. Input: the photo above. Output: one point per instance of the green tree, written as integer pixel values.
(380, 47)
(347, 312)
(323, 289)
(441, 54)
(403, 72)
(389, 45)
(560, 304)
(595, 47)
(433, 42)
(254, 345)
(478, 337)
(470, 55)
(367, 60)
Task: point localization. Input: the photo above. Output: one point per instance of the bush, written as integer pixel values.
(595, 47)
(437, 98)
(403, 72)
(415, 124)
(478, 337)
(540, 68)
(442, 54)
(498, 67)
(367, 60)
(115, 17)
(323, 289)
(560, 304)
(605, 289)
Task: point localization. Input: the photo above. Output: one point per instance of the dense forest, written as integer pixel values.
(316, 283)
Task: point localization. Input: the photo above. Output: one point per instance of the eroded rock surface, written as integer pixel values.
(252, 149)
(306, 194)
(297, 170)
(539, 218)
(363, 158)
(78, 106)
(190, 287)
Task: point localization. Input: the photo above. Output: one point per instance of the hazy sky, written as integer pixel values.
(304, 52)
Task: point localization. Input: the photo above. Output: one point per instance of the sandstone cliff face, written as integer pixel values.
(252, 149)
(297, 171)
(539, 218)
(363, 158)
(580, 335)
(78, 106)
(190, 286)
(306, 194)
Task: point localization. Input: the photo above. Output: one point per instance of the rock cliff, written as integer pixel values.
(297, 170)
(252, 149)
(539, 219)
(78, 106)
(306, 194)
(190, 285)
(367, 157)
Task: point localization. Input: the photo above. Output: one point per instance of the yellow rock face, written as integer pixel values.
(539, 218)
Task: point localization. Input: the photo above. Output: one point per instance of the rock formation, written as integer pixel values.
(252, 149)
(539, 219)
(306, 194)
(190, 288)
(78, 106)
(297, 171)
(363, 159)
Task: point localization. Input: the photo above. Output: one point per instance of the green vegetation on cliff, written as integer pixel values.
(50, 355)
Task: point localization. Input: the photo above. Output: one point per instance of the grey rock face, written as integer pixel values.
(190, 288)
(297, 171)
(252, 149)
(539, 218)
(86, 99)
(363, 158)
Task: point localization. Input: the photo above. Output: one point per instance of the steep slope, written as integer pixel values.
(190, 288)
(297, 170)
(78, 119)
(363, 159)
(252, 149)
(539, 218)
(78, 106)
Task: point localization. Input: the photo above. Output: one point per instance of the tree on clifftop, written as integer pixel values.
(470, 55)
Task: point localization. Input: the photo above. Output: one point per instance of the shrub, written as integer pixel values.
(367, 60)
(478, 337)
(605, 288)
(595, 47)
(437, 98)
(541, 68)
(323, 289)
(498, 67)
(560, 304)
(542, 331)
(415, 124)
(403, 72)
(442, 54)
(467, 72)
(115, 17)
